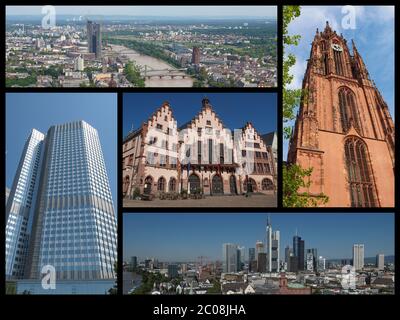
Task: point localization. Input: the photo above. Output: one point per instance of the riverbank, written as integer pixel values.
(153, 64)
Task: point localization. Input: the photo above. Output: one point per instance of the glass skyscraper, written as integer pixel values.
(69, 220)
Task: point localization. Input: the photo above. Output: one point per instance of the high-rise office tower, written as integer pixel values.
(315, 258)
(196, 55)
(380, 261)
(298, 251)
(358, 256)
(321, 263)
(259, 248)
(241, 255)
(21, 205)
(230, 257)
(288, 254)
(275, 248)
(269, 244)
(309, 260)
(252, 254)
(262, 262)
(72, 221)
(94, 38)
(134, 262)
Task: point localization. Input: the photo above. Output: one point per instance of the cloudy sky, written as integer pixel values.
(373, 35)
(163, 11)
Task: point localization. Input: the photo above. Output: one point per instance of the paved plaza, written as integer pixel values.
(255, 200)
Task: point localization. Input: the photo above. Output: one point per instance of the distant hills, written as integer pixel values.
(367, 260)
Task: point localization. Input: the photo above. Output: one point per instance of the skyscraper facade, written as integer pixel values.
(73, 224)
(230, 257)
(21, 205)
(380, 261)
(358, 256)
(94, 38)
(196, 55)
(344, 130)
(259, 248)
(298, 251)
(275, 249)
(252, 254)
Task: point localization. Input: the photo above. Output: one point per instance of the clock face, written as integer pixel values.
(336, 47)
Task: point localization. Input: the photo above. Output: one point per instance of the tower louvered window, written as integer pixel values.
(337, 56)
(359, 173)
(348, 110)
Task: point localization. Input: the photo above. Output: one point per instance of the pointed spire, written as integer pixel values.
(354, 47)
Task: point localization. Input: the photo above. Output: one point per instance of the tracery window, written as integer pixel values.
(348, 109)
(359, 172)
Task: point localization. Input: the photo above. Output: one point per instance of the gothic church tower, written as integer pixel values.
(344, 130)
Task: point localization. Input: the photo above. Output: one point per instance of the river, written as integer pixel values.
(153, 64)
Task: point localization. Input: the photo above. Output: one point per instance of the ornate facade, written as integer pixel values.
(200, 156)
(344, 130)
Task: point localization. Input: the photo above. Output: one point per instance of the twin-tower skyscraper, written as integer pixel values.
(60, 209)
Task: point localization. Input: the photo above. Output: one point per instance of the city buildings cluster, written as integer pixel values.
(264, 271)
(78, 54)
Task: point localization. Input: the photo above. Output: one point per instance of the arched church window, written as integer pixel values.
(348, 110)
(359, 173)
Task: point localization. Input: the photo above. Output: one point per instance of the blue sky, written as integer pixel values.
(25, 111)
(164, 11)
(373, 35)
(180, 237)
(234, 109)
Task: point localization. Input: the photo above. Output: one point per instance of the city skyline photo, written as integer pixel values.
(185, 237)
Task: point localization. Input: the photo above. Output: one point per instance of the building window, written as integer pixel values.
(172, 185)
(159, 126)
(209, 122)
(338, 58)
(126, 184)
(221, 153)
(267, 184)
(161, 184)
(348, 110)
(359, 173)
(210, 149)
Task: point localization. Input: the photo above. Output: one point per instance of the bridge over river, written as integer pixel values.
(156, 72)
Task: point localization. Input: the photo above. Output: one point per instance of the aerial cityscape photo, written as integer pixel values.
(247, 253)
(61, 218)
(139, 46)
(199, 149)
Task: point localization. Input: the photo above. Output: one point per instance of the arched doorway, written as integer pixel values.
(194, 183)
(250, 182)
(147, 185)
(267, 184)
(217, 185)
(232, 184)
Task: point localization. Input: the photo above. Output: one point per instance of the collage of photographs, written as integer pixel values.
(199, 150)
